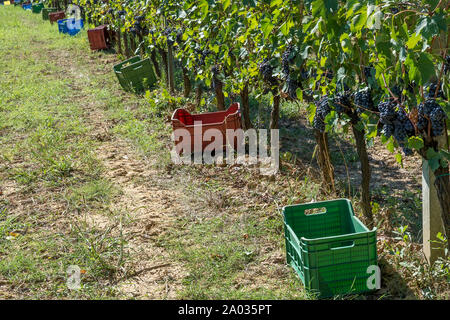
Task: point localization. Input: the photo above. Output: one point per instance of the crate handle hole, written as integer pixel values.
(315, 211)
(344, 245)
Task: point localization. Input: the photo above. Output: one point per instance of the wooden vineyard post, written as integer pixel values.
(155, 63)
(432, 211)
(431, 215)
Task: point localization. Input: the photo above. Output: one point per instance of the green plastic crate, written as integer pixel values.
(135, 74)
(120, 75)
(37, 8)
(330, 250)
(46, 11)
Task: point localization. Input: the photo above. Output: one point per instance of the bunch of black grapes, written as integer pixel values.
(342, 102)
(398, 92)
(322, 110)
(202, 54)
(287, 60)
(167, 32)
(137, 27)
(179, 37)
(292, 86)
(430, 91)
(364, 101)
(266, 70)
(430, 112)
(395, 122)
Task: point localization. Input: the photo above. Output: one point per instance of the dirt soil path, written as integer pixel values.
(145, 197)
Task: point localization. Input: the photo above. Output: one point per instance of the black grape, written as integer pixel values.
(322, 110)
(387, 112)
(342, 103)
(292, 85)
(431, 91)
(266, 71)
(396, 123)
(286, 60)
(363, 99)
(430, 109)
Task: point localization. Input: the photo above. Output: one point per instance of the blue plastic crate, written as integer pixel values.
(27, 6)
(70, 26)
(62, 25)
(74, 26)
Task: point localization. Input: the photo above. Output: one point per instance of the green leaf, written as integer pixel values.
(430, 27)
(434, 164)
(276, 3)
(304, 53)
(416, 142)
(226, 4)
(431, 153)
(374, 20)
(358, 22)
(423, 23)
(285, 27)
(299, 93)
(390, 146)
(398, 158)
(266, 26)
(413, 40)
(324, 7)
(413, 72)
(426, 67)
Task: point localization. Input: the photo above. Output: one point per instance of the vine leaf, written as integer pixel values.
(426, 67)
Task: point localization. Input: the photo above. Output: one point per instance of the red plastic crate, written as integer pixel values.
(221, 120)
(55, 16)
(99, 38)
